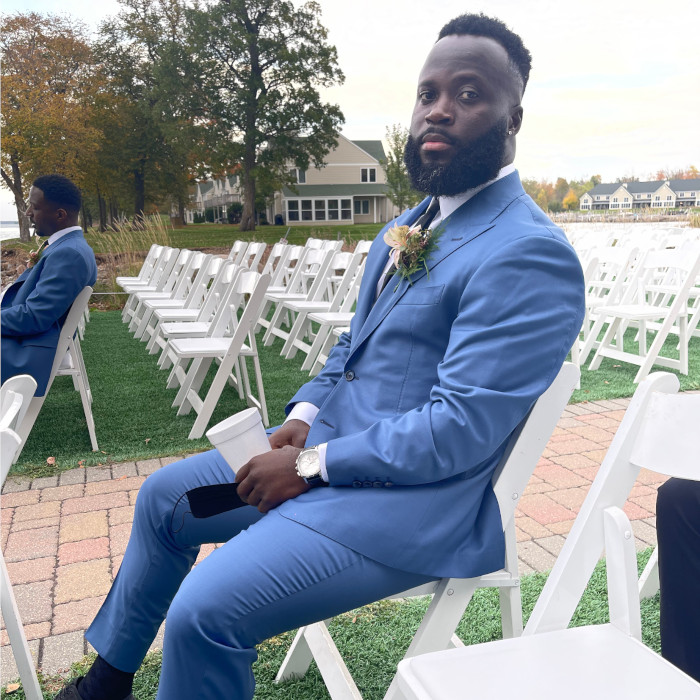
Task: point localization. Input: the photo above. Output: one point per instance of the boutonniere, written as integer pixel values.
(411, 248)
(34, 255)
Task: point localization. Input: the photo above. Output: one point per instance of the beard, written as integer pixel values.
(473, 164)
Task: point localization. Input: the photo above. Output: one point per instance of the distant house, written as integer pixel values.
(349, 189)
(659, 194)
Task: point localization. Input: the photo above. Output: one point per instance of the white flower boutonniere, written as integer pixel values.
(411, 248)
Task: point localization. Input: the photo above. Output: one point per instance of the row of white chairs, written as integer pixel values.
(655, 291)
(196, 310)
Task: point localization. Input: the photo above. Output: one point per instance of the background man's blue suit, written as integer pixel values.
(36, 305)
(416, 404)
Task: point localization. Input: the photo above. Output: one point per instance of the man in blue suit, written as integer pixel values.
(380, 479)
(36, 305)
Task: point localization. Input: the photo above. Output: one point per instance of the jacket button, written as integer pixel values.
(388, 484)
(377, 484)
(356, 484)
(367, 484)
(349, 375)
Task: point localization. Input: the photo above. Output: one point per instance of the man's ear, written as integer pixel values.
(515, 120)
(61, 215)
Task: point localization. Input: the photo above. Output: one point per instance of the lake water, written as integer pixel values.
(9, 229)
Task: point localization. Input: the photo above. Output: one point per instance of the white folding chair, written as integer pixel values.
(156, 282)
(15, 395)
(658, 432)
(146, 267)
(252, 255)
(318, 263)
(451, 595)
(193, 323)
(188, 293)
(230, 350)
(657, 304)
(343, 298)
(68, 330)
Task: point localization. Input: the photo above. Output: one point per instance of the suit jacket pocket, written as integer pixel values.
(423, 295)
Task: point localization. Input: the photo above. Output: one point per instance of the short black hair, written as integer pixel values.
(481, 25)
(61, 191)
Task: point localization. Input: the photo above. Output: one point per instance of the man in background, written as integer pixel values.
(36, 305)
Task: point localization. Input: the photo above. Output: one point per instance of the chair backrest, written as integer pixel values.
(237, 251)
(201, 274)
(528, 442)
(654, 408)
(319, 265)
(345, 285)
(275, 258)
(150, 261)
(252, 255)
(217, 291)
(15, 395)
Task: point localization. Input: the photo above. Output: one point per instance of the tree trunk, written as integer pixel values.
(181, 211)
(248, 180)
(14, 184)
(139, 193)
(102, 207)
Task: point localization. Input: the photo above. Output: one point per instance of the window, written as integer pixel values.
(368, 174)
(692, 194)
(299, 175)
(319, 210)
(361, 206)
(345, 209)
(292, 210)
(597, 198)
(306, 213)
(614, 199)
(333, 214)
(669, 198)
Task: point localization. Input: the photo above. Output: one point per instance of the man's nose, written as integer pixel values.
(442, 112)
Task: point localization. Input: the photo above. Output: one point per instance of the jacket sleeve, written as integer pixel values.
(516, 320)
(60, 282)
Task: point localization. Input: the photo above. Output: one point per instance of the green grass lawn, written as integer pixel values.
(132, 408)
(373, 639)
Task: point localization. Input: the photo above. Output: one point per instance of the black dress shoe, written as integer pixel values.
(70, 692)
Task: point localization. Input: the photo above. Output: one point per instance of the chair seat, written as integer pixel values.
(332, 317)
(163, 303)
(576, 664)
(307, 305)
(185, 329)
(634, 311)
(176, 314)
(282, 296)
(204, 347)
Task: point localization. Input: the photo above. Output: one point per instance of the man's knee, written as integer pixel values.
(678, 501)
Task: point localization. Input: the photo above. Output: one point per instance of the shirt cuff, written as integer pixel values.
(303, 411)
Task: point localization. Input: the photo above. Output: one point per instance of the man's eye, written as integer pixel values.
(468, 95)
(426, 96)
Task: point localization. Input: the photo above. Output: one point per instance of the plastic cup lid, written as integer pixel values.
(235, 425)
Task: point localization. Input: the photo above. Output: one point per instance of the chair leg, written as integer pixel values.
(316, 347)
(18, 640)
(193, 382)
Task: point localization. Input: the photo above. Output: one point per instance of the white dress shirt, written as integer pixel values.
(59, 234)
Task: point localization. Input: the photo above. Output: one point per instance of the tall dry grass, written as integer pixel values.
(121, 250)
(695, 219)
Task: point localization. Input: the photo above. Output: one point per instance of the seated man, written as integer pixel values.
(678, 530)
(404, 426)
(36, 305)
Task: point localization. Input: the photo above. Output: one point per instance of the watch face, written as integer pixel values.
(309, 464)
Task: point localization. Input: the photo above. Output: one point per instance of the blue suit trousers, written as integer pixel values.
(271, 575)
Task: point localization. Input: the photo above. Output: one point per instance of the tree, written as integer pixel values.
(49, 82)
(262, 62)
(156, 139)
(561, 188)
(542, 201)
(401, 193)
(570, 202)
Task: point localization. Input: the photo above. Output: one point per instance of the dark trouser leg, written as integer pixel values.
(678, 530)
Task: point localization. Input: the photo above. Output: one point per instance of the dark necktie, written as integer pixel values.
(422, 222)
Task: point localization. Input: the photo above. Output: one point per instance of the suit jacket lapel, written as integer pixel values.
(473, 218)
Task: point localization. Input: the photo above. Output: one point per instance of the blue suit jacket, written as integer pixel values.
(36, 305)
(417, 402)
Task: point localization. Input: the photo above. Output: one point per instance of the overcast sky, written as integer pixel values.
(614, 89)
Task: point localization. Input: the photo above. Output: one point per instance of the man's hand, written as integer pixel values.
(270, 478)
(293, 432)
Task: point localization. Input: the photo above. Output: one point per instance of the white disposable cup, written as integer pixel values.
(240, 437)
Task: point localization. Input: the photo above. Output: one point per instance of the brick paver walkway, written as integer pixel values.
(64, 536)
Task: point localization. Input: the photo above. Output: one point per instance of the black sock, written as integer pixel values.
(104, 682)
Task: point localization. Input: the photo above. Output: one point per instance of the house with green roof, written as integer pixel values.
(658, 194)
(349, 189)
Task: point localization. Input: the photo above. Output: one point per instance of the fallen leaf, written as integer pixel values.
(121, 477)
(606, 382)
(81, 463)
(11, 687)
(51, 461)
(354, 619)
(103, 452)
(147, 440)
(617, 365)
